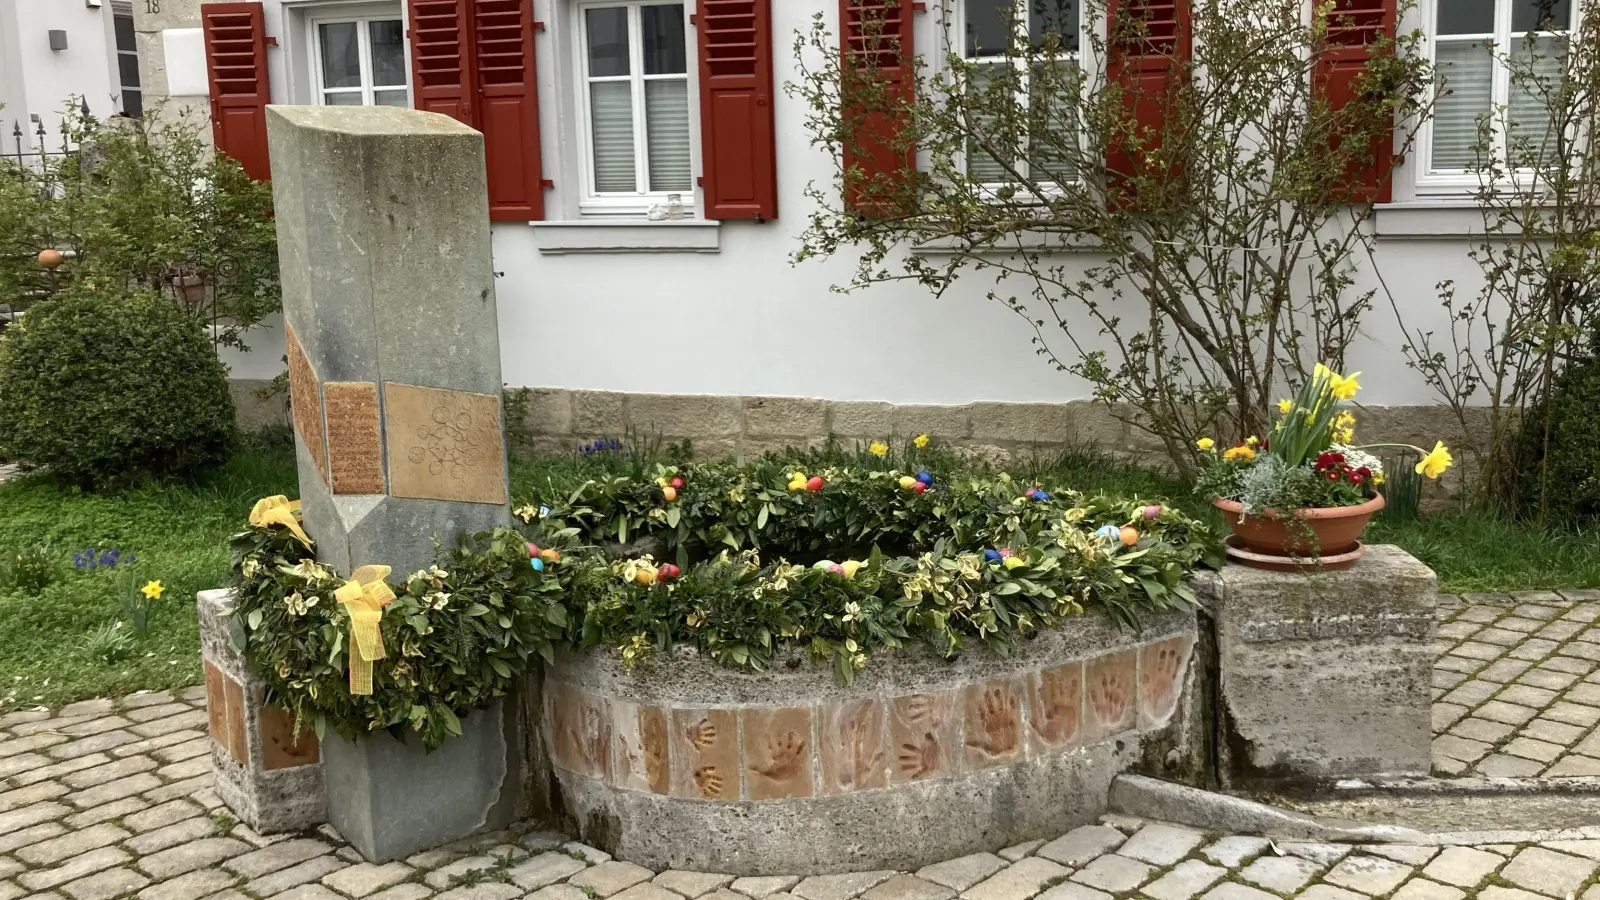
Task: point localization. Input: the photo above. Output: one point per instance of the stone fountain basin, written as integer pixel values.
(681, 763)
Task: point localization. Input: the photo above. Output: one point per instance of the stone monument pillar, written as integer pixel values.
(394, 379)
(1323, 675)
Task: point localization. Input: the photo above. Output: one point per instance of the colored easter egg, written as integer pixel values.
(549, 555)
(1129, 535)
(919, 488)
(822, 564)
(925, 477)
(645, 576)
(669, 493)
(537, 563)
(677, 483)
(1153, 511)
(992, 555)
(533, 549)
(851, 567)
(1007, 553)
(815, 484)
(1040, 495)
(1030, 492)
(906, 481)
(1015, 562)
(50, 258)
(1109, 532)
(668, 571)
(836, 569)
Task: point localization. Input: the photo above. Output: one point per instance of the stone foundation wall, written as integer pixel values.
(554, 422)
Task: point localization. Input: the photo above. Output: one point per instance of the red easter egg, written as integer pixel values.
(677, 483)
(533, 550)
(815, 484)
(919, 488)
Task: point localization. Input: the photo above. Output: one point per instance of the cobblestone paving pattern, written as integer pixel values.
(112, 799)
(1516, 691)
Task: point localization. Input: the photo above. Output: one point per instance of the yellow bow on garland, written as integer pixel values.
(279, 510)
(364, 596)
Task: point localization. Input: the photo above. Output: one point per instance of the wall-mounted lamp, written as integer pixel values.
(58, 39)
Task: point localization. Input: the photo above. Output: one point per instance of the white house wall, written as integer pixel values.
(50, 77)
(744, 321)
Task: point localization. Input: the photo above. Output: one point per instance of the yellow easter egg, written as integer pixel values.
(906, 481)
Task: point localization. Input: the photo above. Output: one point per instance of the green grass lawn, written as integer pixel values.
(179, 530)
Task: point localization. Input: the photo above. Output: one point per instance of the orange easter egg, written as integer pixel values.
(1129, 535)
(50, 258)
(669, 493)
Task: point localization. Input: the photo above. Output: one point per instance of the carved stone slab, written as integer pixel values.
(355, 443)
(444, 445)
(305, 399)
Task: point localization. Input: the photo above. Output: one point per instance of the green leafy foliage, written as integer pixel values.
(1561, 470)
(971, 559)
(457, 635)
(144, 205)
(100, 386)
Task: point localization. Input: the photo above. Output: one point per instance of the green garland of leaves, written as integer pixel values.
(462, 633)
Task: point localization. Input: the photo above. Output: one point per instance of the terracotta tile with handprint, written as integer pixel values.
(778, 751)
(923, 733)
(1162, 668)
(641, 747)
(993, 713)
(1109, 695)
(580, 731)
(705, 753)
(1055, 708)
(855, 755)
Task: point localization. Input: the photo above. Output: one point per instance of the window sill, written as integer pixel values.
(1011, 243)
(1428, 218)
(628, 236)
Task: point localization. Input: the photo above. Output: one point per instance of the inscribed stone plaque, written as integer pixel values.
(355, 445)
(444, 445)
(305, 402)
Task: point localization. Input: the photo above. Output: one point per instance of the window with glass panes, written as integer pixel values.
(1470, 38)
(361, 62)
(127, 65)
(988, 28)
(635, 59)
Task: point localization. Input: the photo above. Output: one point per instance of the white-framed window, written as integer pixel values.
(635, 100)
(985, 31)
(359, 61)
(1469, 41)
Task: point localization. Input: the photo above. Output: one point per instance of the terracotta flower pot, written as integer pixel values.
(1332, 532)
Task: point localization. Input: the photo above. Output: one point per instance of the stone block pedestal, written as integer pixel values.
(1323, 675)
(269, 777)
(392, 798)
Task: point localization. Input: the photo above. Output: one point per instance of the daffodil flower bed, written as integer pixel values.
(769, 559)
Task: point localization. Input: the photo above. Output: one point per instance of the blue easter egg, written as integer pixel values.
(1040, 495)
(991, 555)
(537, 563)
(925, 477)
(1109, 532)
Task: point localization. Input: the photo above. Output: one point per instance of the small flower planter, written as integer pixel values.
(1328, 537)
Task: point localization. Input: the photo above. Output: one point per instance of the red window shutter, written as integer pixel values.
(1354, 27)
(441, 73)
(236, 65)
(508, 107)
(877, 35)
(737, 139)
(1149, 53)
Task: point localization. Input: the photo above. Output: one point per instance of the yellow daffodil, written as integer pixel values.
(1205, 443)
(1436, 461)
(152, 590)
(1285, 405)
(878, 448)
(1345, 387)
(1252, 441)
(921, 441)
(1239, 452)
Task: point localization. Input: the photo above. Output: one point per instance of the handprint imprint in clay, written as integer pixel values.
(1000, 719)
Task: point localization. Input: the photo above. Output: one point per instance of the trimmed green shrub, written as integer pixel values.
(97, 387)
(1570, 463)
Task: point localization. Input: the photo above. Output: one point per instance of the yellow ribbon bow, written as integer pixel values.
(279, 510)
(364, 596)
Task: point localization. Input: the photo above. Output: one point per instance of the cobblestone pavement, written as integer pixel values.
(112, 799)
(1515, 686)
(106, 799)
